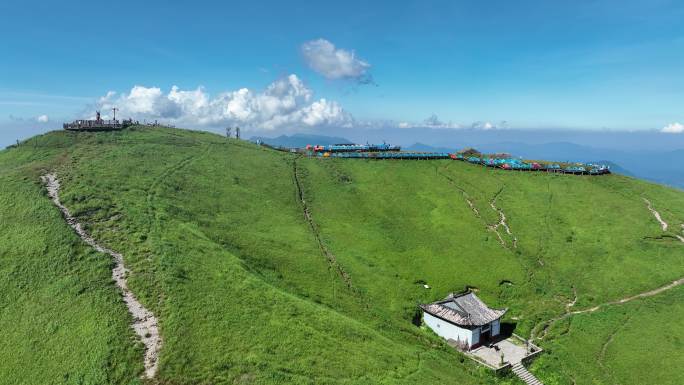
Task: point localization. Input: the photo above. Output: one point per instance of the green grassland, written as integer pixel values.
(249, 290)
(61, 318)
(637, 343)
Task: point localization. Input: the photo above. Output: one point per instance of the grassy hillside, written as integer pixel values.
(249, 289)
(62, 320)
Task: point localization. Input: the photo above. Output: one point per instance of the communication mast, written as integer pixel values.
(115, 109)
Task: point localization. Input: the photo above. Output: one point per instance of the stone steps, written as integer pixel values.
(525, 375)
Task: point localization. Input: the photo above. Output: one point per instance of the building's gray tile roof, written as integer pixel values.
(463, 309)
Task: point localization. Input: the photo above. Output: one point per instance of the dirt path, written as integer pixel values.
(164, 176)
(573, 302)
(502, 222)
(656, 214)
(463, 192)
(332, 259)
(144, 322)
(660, 220)
(546, 325)
(604, 348)
(502, 216)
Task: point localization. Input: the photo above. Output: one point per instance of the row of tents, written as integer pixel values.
(350, 147)
(502, 161)
(385, 155)
(520, 165)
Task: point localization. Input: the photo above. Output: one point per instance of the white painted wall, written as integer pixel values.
(449, 331)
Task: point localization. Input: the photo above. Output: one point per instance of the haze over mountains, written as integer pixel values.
(649, 155)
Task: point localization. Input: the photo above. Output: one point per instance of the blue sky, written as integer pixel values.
(530, 64)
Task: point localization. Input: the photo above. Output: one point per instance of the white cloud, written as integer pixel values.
(483, 125)
(285, 103)
(434, 122)
(335, 63)
(673, 128)
(42, 119)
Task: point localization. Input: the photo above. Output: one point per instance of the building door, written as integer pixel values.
(485, 336)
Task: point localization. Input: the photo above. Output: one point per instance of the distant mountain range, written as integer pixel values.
(422, 147)
(665, 167)
(299, 140)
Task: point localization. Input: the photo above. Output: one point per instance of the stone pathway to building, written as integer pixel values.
(513, 354)
(525, 375)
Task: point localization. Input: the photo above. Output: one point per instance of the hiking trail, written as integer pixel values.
(502, 222)
(494, 227)
(332, 259)
(660, 220)
(145, 323)
(656, 214)
(546, 325)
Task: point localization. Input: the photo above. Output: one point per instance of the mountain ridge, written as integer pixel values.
(219, 246)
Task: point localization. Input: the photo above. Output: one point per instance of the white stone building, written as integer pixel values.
(463, 319)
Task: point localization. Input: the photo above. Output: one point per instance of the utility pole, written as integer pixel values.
(115, 109)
